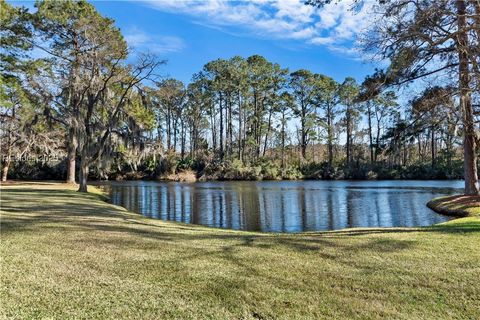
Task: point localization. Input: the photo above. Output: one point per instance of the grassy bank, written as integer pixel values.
(457, 205)
(71, 255)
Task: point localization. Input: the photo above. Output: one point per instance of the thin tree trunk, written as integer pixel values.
(169, 130)
(240, 145)
(230, 125)
(283, 142)
(348, 146)
(370, 134)
(175, 132)
(214, 129)
(182, 139)
(7, 159)
(303, 131)
(71, 155)
(330, 137)
(221, 126)
(267, 133)
(432, 146)
(377, 140)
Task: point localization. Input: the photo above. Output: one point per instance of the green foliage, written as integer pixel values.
(137, 111)
(15, 38)
(168, 164)
(185, 163)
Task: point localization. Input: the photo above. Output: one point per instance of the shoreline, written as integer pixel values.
(446, 205)
(178, 178)
(456, 205)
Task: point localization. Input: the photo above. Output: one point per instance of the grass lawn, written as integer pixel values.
(70, 255)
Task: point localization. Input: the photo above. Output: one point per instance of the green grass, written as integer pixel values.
(71, 255)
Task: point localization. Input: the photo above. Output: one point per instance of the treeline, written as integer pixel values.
(90, 113)
(252, 119)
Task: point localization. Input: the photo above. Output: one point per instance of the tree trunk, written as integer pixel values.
(169, 128)
(6, 166)
(7, 159)
(283, 142)
(330, 138)
(469, 145)
(303, 133)
(240, 145)
(83, 176)
(213, 129)
(370, 134)
(377, 141)
(175, 132)
(71, 155)
(221, 126)
(432, 145)
(182, 139)
(348, 145)
(265, 145)
(229, 126)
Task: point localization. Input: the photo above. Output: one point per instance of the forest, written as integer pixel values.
(77, 103)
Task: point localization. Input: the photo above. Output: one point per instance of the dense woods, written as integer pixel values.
(74, 106)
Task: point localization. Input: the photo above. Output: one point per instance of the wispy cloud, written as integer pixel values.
(159, 44)
(335, 26)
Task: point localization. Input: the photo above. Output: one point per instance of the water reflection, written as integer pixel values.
(287, 206)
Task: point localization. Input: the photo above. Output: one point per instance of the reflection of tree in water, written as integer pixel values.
(285, 207)
(330, 212)
(195, 205)
(301, 207)
(252, 211)
(282, 211)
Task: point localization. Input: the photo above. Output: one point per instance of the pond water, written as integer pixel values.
(285, 206)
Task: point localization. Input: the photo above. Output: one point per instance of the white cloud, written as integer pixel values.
(336, 25)
(159, 44)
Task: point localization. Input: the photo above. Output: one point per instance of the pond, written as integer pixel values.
(285, 206)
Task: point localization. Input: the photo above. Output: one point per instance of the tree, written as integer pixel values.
(265, 79)
(94, 81)
(302, 83)
(197, 100)
(432, 106)
(15, 33)
(378, 109)
(278, 81)
(58, 28)
(171, 96)
(106, 100)
(25, 134)
(287, 104)
(87, 53)
(348, 92)
(326, 99)
(240, 91)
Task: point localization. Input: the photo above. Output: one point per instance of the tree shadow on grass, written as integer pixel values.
(30, 208)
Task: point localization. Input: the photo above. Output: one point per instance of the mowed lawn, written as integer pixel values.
(70, 255)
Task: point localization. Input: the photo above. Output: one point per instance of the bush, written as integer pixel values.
(292, 173)
(169, 163)
(36, 170)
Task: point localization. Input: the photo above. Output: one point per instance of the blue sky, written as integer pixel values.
(189, 33)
